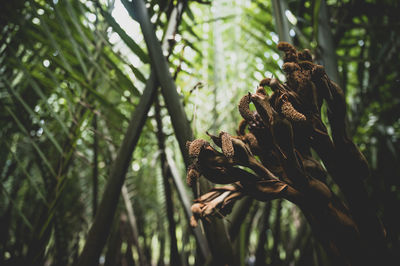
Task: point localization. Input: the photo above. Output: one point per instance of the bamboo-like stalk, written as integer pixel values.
(95, 166)
(166, 174)
(326, 43)
(219, 242)
(281, 22)
(133, 226)
(102, 223)
(261, 252)
(101, 226)
(184, 198)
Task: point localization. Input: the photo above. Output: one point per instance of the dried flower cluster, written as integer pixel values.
(271, 155)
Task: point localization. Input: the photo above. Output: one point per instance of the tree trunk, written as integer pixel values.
(95, 165)
(219, 242)
(261, 251)
(102, 223)
(166, 174)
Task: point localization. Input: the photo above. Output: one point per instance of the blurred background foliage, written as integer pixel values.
(72, 72)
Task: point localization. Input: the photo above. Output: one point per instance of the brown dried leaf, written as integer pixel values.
(193, 222)
(263, 108)
(192, 176)
(266, 189)
(242, 128)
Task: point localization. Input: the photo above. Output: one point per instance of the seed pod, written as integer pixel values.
(227, 147)
(285, 46)
(290, 67)
(195, 147)
(306, 65)
(290, 113)
(265, 82)
(290, 52)
(244, 109)
(305, 55)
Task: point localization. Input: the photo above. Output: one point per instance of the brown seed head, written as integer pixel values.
(290, 52)
(244, 109)
(305, 55)
(227, 147)
(290, 113)
(195, 147)
(289, 67)
(265, 82)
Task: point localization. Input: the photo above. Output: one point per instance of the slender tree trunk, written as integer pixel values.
(161, 238)
(184, 198)
(166, 174)
(281, 22)
(134, 231)
(277, 234)
(95, 165)
(301, 234)
(261, 251)
(326, 44)
(128, 256)
(238, 216)
(113, 253)
(102, 223)
(219, 242)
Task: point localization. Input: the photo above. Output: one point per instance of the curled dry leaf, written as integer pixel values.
(193, 221)
(217, 202)
(215, 139)
(263, 107)
(242, 127)
(253, 143)
(276, 86)
(266, 189)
